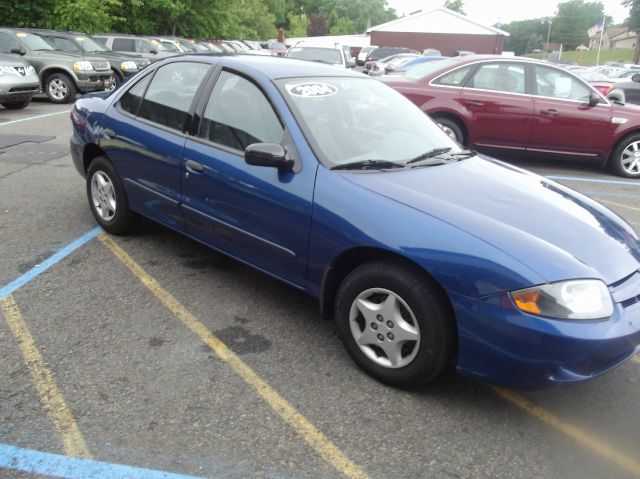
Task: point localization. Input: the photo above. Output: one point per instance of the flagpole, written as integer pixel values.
(600, 43)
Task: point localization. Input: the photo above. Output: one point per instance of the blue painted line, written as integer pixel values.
(594, 180)
(65, 467)
(46, 264)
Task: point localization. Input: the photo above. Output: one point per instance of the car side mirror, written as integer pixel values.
(268, 154)
(594, 99)
(351, 63)
(636, 78)
(19, 51)
(153, 51)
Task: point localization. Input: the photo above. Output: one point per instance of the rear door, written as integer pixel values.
(257, 214)
(564, 122)
(500, 112)
(144, 136)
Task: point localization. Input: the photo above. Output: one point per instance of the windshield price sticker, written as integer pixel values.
(312, 90)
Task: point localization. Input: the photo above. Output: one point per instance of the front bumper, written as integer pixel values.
(94, 80)
(501, 345)
(18, 89)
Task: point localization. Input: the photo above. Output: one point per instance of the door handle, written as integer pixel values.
(550, 112)
(475, 102)
(110, 133)
(194, 167)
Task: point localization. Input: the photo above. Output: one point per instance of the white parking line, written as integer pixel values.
(593, 180)
(34, 117)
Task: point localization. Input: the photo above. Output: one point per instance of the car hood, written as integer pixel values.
(58, 55)
(552, 229)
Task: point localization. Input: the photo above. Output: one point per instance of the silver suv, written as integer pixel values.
(144, 46)
(18, 83)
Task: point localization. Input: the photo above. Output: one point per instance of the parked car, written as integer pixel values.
(362, 56)
(18, 83)
(599, 81)
(384, 52)
(123, 65)
(379, 67)
(428, 257)
(489, 103)
(323, 54)
(62, 74)
(277, 49)
(144, 46)
(414, 62)
(241, 47)
(176, 45)
(627, 91)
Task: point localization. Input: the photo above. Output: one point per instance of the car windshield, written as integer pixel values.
(350, 119)
(34, 42)
(91, 46)
(592, 76)
(185, 45)
(428, 68)
(316, 54)
(277, 46)
(156, 45)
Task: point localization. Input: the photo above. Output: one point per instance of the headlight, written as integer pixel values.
(575, 299)
(127, 66)
(84, 66)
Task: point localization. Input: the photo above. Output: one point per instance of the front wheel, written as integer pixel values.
(16, 105)
(625, 158)
(60, 88)
(451, 129)
(396, 325)
(107, 198)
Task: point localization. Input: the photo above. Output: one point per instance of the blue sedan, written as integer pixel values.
(428, 257)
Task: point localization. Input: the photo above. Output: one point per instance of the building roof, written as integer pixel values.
(440, 20)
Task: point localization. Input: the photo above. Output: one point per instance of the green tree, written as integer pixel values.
(573, 20)
(633, 22)
(455, 5)
(525, 35)
(343, 26)
(298, 25)
(317, 25)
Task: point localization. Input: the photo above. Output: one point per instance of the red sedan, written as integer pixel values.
(500, 104)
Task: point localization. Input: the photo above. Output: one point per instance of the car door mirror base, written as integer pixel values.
(268, 154)
(19, 51)
(594, 99)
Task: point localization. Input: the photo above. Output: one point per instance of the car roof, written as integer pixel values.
(270, 67)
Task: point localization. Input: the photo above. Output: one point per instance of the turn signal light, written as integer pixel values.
(527, 301)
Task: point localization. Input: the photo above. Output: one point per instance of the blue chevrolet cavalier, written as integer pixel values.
(429, 257)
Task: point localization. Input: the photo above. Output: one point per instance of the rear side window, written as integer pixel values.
(499, 77)
(131, 101)
(124, 45)
(171, 93)
(454, 78)
(238, 115)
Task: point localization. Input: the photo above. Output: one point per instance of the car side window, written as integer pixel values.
(64, 44)
(7, 43)
(132, 99)
(454, 78)
(558, 84)
(504, 77)
(142, 46)
(238, 114)
(124, 45)
(171, 93)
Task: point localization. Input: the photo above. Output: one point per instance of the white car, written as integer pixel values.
(322, 54)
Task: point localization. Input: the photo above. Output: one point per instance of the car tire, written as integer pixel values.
(17, 105)
(451, 128)
(116, 81)
(411, 340)
(107, 198)
(60, 88)
(625, 158)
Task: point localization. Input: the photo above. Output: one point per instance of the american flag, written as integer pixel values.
(594, 30)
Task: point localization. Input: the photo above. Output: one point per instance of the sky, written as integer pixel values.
(492, 11)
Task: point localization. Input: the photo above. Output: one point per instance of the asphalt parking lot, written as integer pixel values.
(152, 356)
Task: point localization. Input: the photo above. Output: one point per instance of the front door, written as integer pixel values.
(564, 122)
(257, 214)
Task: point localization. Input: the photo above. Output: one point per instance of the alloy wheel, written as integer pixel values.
(103, 196)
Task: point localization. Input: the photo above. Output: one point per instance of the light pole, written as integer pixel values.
(546, 45)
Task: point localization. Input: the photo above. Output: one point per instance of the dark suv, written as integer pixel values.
(123, 65)
(62, 74)
(146, 47)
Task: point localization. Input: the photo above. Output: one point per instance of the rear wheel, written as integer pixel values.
(16, 105)
(396, 325)
(451, 128)
(107, 198)
(625, 158)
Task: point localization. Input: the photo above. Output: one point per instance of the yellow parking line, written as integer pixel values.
(50, 396)
(579, 435)
(316, 439)
(621, 205)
